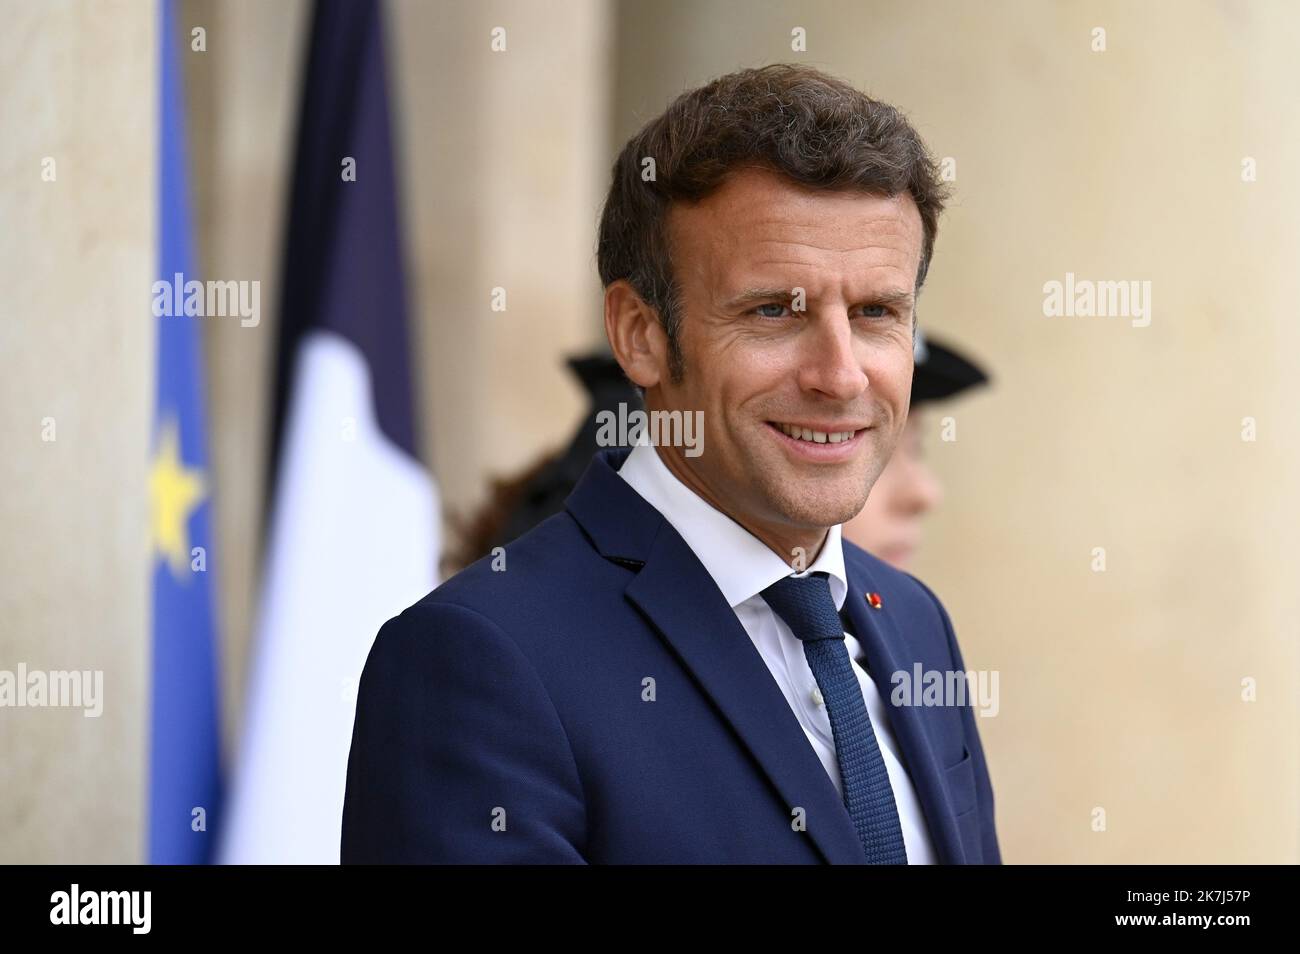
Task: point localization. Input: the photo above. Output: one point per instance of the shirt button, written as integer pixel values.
(816, 697)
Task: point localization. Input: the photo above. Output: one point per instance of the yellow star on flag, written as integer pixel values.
(175, 492)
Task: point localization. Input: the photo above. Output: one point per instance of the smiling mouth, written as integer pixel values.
(811, 436)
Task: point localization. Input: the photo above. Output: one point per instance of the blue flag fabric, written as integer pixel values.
(184, 769)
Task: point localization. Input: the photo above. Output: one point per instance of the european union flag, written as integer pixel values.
(184, 783)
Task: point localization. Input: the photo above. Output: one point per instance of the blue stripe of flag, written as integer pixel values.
(184, 777)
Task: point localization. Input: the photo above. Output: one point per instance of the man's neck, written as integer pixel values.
(796, 546)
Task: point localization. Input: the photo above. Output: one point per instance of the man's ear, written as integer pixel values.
(635, 335)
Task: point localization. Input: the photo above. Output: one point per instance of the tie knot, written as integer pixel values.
(806, 605)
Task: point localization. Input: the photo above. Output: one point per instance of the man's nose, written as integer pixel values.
(828, 363)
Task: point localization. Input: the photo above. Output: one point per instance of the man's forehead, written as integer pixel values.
(759, 216)
(760, 195)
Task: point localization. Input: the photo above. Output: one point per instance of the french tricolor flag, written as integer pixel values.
(354, 521)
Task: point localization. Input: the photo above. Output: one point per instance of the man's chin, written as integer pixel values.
(819, 515)
(808, 501)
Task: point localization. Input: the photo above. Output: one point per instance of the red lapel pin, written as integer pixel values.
(874, 600)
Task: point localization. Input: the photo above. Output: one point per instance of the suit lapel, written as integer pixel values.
(678, 596)
(886, 649)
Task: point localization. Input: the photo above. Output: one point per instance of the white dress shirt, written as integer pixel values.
(743, 566)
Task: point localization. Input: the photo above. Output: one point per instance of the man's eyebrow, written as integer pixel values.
(893, 296)
(751, 295)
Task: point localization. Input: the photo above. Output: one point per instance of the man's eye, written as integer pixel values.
(779, 309)
(876, 311)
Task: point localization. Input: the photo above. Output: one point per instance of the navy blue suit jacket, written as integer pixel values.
(508, 717)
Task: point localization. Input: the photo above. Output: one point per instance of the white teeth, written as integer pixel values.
(817, 437)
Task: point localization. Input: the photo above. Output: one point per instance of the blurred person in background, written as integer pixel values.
(890, 524)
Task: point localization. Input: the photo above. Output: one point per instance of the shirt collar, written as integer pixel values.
(741, 564)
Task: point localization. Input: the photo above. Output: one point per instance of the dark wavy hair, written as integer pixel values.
(797, 121)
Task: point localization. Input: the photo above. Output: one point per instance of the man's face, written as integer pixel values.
(890, 524)
(841, 366)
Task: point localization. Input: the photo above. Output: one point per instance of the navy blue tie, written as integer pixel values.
(805, 603)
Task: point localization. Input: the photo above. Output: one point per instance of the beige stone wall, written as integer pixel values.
(76, 355)
(505, 173)
(1119, 689)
